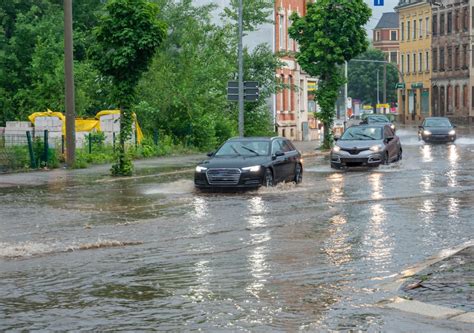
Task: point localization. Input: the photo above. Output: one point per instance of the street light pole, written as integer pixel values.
(378, 100)
(69, 78)
(345, 90)
(241, 72)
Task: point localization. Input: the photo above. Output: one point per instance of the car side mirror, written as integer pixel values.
(388, 139)
(454, 126)
(210, 154)
(278, 154)
(420, 127)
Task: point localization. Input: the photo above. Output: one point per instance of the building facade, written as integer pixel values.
(414, 99)
(294, 105)
(452, 77)
(386, 36)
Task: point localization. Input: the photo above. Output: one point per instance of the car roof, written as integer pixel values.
(437, 118)
(372, 125)
(256, 138)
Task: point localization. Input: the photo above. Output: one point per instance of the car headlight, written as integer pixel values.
(200, 168)
(452, 132)
(425, 132)
(392, 126)
(254, 168)
(376, 148)
(336, 149)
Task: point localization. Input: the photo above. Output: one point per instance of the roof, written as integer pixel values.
(388, 21)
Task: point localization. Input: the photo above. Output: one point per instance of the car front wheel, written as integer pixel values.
(298, 174)
(268, 178)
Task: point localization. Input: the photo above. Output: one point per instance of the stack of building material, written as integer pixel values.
(15, 132)
(110, 124)
(53, 125)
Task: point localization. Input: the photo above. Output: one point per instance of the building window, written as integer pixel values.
(420, 62)
(281, 31)
(403, 30)
(402, 63)
(393, 57)
(427, 61)
(441, 24)
(408, 63)
(408, 30)
(290, 94)
(464, 57)
(282, 94)
(420, 28)
(427, 27)
(456, 20)
(450, 23)
(414, 29)
(441, 59)
(414, 62)
(290, 41)
(377, 35)
(393, 35)
(434, 29)
(456, 97)
(464, 95)
(449, 67)
(456, 58)
(465, 19)
(450, 99)
(434, 59)
(472, 97)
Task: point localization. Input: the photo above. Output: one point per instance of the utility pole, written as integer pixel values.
(345, 90)
(378, 99)
(241, 72)
(69, 78)
(384, 100)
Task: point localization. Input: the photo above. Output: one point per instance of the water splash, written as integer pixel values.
(35, 249)
(182, 186)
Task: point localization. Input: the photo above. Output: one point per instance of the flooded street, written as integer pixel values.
(88, 252)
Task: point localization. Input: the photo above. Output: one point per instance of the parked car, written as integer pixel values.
(250, 162)
(366, 145)
(378, 119)
(437, 129)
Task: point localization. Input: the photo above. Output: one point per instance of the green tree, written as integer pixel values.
(128, 35)
(331, 33)
(362, 78)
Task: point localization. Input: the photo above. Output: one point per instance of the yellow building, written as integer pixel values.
(414, 99)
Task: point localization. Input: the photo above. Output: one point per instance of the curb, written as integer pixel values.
(422, 308)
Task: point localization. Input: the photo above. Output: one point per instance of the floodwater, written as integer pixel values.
(86, 252)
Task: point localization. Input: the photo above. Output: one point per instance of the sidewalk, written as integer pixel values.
(441, 288)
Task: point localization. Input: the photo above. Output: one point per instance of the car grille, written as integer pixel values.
(223, 176)
(354, 151)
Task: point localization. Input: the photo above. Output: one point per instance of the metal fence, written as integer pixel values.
(22, 151)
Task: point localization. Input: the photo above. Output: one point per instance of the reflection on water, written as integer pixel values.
(338, 247)
(336, 181)
(376, 185)
(379, 244)
(426, 153)
(453, 207)
(453, 157)
(426, 182)
(257, 257)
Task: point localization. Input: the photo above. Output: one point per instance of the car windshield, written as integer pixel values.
(362, 133)
(437, 123)
(377, 119)
(244, 148)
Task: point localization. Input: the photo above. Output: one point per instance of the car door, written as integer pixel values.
(392, 144)
(278, 162)
(292, 158)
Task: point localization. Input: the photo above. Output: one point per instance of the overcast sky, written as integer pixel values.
(377, 11)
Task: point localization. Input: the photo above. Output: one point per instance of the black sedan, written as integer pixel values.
(437, 129)
(250, 162)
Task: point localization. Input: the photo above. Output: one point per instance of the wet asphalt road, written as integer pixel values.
(80, 251)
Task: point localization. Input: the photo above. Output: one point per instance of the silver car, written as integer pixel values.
(366, 145)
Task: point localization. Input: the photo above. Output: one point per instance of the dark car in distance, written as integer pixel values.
(250, 163)
(437, 129)
(371, 119)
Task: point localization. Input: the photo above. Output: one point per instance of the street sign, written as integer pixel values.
(417, 85)
(232, 90)
(378, 2)
(251, 91)
(400, 85)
